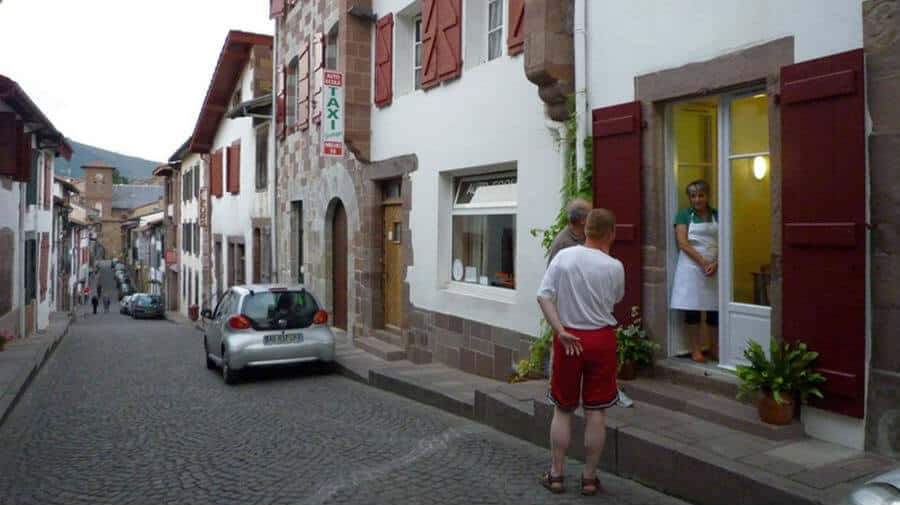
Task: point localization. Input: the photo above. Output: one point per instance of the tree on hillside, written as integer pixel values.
(119, 178)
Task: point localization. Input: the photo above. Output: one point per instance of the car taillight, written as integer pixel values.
(320, 317)
(239, 322)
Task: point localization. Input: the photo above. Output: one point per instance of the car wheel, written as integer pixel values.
(210, 364)
(228, 374)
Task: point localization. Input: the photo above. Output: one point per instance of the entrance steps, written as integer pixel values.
(380, 348)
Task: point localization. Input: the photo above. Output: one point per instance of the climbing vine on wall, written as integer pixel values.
(574, 185)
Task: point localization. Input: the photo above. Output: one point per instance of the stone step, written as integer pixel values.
(704, 377)
(390, 337)
(710, 407)
(380, 348)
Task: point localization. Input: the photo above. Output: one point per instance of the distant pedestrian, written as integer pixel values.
(95, 302)
(99, 289)
(584, 345)
(106, 303)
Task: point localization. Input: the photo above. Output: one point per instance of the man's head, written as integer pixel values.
(600, 227)
(577, 212)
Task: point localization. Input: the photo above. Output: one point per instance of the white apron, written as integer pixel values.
(692, 289)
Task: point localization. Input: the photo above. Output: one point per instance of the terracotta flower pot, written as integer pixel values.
(628, 371)
(772, 412)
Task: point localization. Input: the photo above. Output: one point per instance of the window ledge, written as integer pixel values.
(492, 293)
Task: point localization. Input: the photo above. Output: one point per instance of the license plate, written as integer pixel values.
(284, 338)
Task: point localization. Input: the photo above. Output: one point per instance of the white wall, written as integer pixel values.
(189, 214)
(628, 39)
(492, 114)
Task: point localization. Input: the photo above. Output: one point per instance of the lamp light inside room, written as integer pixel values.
(760, 167)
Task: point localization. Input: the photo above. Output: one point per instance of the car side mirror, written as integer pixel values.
(206, 313)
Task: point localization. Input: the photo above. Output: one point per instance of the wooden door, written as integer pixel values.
(392, 285)
(339, 266)
(257, 255)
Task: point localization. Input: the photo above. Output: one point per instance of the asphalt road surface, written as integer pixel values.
(125, 412)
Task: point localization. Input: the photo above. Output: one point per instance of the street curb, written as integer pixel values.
(35, 369)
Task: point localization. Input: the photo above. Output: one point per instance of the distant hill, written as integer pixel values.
(129, 166)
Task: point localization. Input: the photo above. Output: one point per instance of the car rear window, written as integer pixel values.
(147, 300)
(276, 310)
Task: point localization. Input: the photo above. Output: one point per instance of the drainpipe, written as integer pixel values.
(21, 247)
(274, 270)
(580, 86)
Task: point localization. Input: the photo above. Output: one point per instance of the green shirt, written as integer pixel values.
(689, 215)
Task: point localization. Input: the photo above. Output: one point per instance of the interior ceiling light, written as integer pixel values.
(760, 167)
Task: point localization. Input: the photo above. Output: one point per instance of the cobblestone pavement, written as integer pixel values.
(126, 413)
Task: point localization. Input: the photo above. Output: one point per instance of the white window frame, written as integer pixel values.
(417, 44)
(497, 29)
(487, 209)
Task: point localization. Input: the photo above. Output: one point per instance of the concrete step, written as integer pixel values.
(390, 337)
(699, 376)
(710, 407)
(380, 348)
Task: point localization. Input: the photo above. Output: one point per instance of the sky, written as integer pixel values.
(125, 75)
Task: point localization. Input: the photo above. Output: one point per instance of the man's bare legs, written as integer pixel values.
(594, 439)
(560, 436)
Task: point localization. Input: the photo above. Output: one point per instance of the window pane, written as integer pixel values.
(418, 78)
(487, 191)
(495, 47)
(418, 55)
(495, 14)
(484, 250)
(418, 35)
(750, 125)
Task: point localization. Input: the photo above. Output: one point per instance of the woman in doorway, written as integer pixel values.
(695, 287)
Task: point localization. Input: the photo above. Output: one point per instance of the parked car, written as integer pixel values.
(125, 290)
(144, 305)
(123, 305)
(263, 325)
(882, 490)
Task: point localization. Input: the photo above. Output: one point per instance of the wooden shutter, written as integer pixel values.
(384, 61)
(280, 103)
(24, 153)
(449, 39)
(515, 38)
(45, 257)
(617, 187)
(215, 174)
(824, 210)
(318, 74)
(429, 44)
(9, 144)
(276, 8)
(234, 168)
(303, 88)
(48, 180)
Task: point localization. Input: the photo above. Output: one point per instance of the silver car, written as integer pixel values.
(882, 490)
(263, 325)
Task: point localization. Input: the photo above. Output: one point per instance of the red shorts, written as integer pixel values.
(590, 375)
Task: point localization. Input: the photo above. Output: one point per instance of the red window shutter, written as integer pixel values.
(215, 174)
(318, 75)
(9, 142)
(449, 39)
(276, 8)
(303, 88)
(280, 122)
(24, 154)
(429, 44)
(45, 256)
(384, 47)
(515, 39)
(823, 205)
(617, 187)
(48, 180)
(234, 168)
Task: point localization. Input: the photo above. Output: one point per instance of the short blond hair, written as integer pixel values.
(601, 223)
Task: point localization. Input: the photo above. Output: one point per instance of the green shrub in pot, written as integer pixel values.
(789, 372)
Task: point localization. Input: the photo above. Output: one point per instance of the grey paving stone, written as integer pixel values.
(772, 464)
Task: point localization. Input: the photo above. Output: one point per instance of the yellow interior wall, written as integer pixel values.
(750, 198)
(695, 149)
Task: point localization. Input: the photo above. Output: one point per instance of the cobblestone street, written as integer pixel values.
(125, 412)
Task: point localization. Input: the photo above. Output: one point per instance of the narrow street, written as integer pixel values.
(125, 412)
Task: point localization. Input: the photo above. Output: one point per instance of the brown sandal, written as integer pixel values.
(590, 487)
(553, 484)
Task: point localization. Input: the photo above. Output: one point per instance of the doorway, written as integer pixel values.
(724, 141)
(339, 266)
(392, 284)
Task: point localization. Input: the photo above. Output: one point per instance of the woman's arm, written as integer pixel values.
(681, 231)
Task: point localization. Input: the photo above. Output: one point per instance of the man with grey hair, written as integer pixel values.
(573, 234)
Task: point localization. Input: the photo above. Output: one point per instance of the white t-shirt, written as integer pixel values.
(586, 284)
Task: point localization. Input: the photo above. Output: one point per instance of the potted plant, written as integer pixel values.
(633, 348)
(779, 381)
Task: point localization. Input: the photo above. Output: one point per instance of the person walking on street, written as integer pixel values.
(572, 235)
(95, 302)
(106, 303)
(99, 288)
(577, 296)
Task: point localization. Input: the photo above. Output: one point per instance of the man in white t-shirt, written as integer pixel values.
(577, 296)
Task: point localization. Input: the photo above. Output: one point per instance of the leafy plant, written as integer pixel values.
(632, 343)
(789, 371)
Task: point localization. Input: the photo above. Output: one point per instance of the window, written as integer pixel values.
(331, 49)
(417, 52)
(31, 188)
(495, 28)
(30, 267)
(195, 248)
(196, 288)
(195, 186)
(236, 97)
(183, 283)
(189, 286)
(262, 156)
(280, 310)
(218, 254)
(484, 230)
(291, 93)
